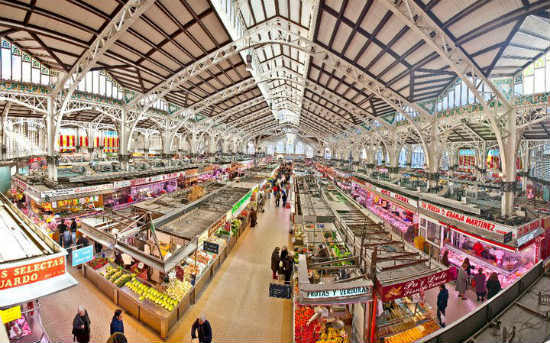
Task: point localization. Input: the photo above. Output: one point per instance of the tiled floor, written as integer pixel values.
(236, 302)
(456, 307)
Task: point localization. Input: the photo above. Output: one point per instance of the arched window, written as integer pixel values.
(403, 157)
(379, 157)
(299, 148)
(309, 151)
(417, 157)
(328, 154)
(281, 147)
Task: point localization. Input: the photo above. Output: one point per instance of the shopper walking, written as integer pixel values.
(277, 198)
(284, 253)
(288, 267)
(202, 329)
(253, 217)
(81, 326)
(442, 299)
(73, 229)
(284, 199)
(481, 287)
(275, 262)
(462, 281)
(493, 285)
(469, 267)
(117, 337)
(116, 323)
(61, 228)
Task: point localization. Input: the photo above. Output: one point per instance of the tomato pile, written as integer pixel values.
(302, 332)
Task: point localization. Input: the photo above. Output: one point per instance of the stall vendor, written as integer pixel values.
(478, 248)
(140, 269)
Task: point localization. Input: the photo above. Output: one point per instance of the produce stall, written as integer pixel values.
(332, 302)
(176, 200)
(32, 266)
(155, 268)
(402, 273)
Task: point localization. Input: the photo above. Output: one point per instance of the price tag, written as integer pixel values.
(10, 314)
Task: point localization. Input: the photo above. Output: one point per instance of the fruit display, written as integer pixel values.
(204, 257)
(332, 335)
(148, 293)
(189, 270)
(98, 262)
(116, 276)
(405, 322)
(413, 334)
(178, 289)
(304, 333)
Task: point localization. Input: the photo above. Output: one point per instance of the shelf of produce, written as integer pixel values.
(100, 282)
(410, 323)
(157, 318)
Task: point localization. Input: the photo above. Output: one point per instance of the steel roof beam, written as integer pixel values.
(435, 36)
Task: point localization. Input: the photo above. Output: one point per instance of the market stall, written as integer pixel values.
(329, 308)
(155, 268)
(396, 209)
(32, 266)
(402, 273)
(509, 251)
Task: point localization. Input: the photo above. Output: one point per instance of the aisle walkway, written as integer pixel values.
(236, 302)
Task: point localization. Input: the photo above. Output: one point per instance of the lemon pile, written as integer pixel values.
(151, 294)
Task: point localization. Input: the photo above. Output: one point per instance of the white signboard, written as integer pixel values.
(338, 293)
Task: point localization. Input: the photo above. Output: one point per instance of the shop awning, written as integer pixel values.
(18, 295)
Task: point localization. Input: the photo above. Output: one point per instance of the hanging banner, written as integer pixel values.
(388, 193)
(31, 273)
(411, 287)
(472, 221)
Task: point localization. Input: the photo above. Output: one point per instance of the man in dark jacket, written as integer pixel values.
(61, 228)
(442, 299)
(116, 324)
(203, 328)
(275, 262)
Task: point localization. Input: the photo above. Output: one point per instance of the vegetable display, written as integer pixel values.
(178, 289)
(303, 332)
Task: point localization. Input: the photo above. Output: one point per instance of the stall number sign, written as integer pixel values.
(10, 314)
(478, 223)
(82, 255)
(210, 247)
(31, 273)
(338, 293)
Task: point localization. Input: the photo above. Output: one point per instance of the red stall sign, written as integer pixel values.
(31, 273)
(411, 287)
